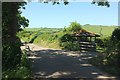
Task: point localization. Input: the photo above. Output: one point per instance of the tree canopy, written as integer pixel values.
(66, 2)
(74, 27)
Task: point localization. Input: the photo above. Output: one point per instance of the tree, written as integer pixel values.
(115, 38)
(101, 3)
(116, 35)
(11, 22)
(74, 27)
(66, 2)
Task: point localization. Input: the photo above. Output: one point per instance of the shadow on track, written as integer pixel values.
(50, 63)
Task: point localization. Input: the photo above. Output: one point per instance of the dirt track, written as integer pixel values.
(53, 63)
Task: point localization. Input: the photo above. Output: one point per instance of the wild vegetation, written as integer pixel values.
(14, 61)
(107, 44)
(109, 58)
(55, 38)
(61, 37)
(21, 71)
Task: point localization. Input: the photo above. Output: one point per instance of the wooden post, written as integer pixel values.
(86, 38)
(90, 39)
(95, 39)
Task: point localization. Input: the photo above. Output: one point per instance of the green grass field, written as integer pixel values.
(43, 29)
(104, 30)
(49, 37)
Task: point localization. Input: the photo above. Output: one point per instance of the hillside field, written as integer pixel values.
(104, 30)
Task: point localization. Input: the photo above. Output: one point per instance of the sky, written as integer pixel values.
(59, 16)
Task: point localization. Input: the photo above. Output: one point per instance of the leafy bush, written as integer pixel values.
(102, 42)
(73, 46)
(24, 60)
(74, 27)
(11, 56)
(107, 64)
(21, 71)
(68, 42)
(115, 39)
(67, 38)
(48, 40)
(110, 58)
(116, 35)
(24, 35)
(116, 44)
(28, 36)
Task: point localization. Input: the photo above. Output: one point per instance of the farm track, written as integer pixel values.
(54, 63)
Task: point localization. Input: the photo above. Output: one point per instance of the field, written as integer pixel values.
(50, 37)
(103, 30)
(44, 29)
